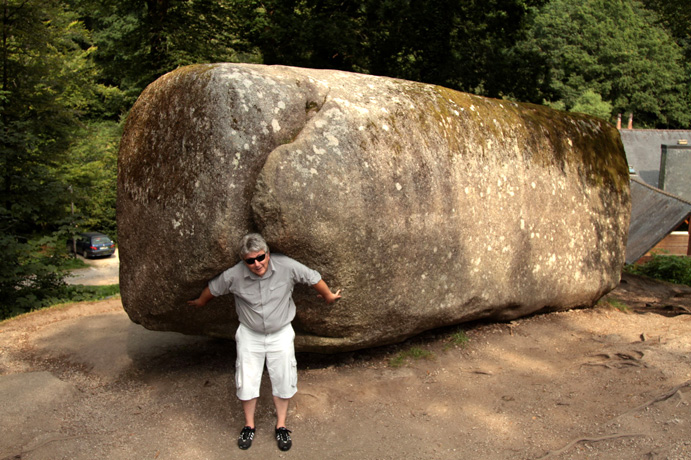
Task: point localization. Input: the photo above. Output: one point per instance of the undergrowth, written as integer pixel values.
(457, 339)
(412, 353)
(674, 269)
(614, 303)
(61, 294)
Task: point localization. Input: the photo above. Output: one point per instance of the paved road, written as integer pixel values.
(100, 271)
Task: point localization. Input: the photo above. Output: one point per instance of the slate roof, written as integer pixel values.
(643, 149)
(654, 214)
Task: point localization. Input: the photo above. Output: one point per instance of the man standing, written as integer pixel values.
(263, 285)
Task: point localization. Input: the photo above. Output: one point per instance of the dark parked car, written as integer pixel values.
(93, 244)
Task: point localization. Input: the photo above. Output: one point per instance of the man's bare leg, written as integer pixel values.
(282, 433)
(281, 411)
(249, 407)
(247, 433)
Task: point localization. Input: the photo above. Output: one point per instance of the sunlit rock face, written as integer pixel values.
(426, 206)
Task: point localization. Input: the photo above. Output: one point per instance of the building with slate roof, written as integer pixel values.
(660, 165)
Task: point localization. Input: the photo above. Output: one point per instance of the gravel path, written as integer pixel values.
(101, 271)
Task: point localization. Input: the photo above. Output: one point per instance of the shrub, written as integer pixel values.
(65, 294)
(32, 276)
(675, 269)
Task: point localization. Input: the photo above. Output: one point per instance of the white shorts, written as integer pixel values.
(277, 350)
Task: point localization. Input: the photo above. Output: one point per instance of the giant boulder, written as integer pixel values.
(426, 206)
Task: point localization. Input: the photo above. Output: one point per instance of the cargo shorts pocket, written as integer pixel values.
(293, 373)
(238, 375)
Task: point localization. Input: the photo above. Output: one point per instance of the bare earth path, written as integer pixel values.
(83, 382)
(101, 271)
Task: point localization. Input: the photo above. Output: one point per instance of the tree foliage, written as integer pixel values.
(44, 72)
(614, 49)
(461, 45)
(47, 81)
(30, 277)
(675, 16)
(91, 173)
(138, 41)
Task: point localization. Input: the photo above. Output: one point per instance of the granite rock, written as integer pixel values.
(428, 207)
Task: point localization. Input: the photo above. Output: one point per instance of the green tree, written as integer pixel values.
(615, 50)
(47, 80)
(91, 172)
(591, 103)
(305, 33)
(676, 17)
(462, 45)
(138, 41)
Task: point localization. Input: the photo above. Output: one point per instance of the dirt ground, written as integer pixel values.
(83, 382)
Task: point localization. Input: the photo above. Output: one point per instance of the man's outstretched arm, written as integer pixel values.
(203, 298)
(325, 293)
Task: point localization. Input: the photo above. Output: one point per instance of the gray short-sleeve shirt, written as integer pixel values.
(264, 303)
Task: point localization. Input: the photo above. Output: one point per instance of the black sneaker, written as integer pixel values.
(283, 438)
(245, 438)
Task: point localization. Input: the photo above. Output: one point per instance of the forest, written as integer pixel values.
(72, 69)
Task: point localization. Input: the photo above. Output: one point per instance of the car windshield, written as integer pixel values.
(101, 240)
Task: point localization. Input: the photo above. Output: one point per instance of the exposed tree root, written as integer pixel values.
(660, 398)
(618, 360)
(600, 438)
(41, 444)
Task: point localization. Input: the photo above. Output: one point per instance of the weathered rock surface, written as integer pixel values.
(427, 206)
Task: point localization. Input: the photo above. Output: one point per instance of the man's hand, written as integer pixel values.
(195, 303)
(331, 297)
(202, 300)
(325, 293)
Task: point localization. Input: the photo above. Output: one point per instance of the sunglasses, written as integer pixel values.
(259, 258)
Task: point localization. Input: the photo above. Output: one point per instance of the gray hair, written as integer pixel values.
(252, 242)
